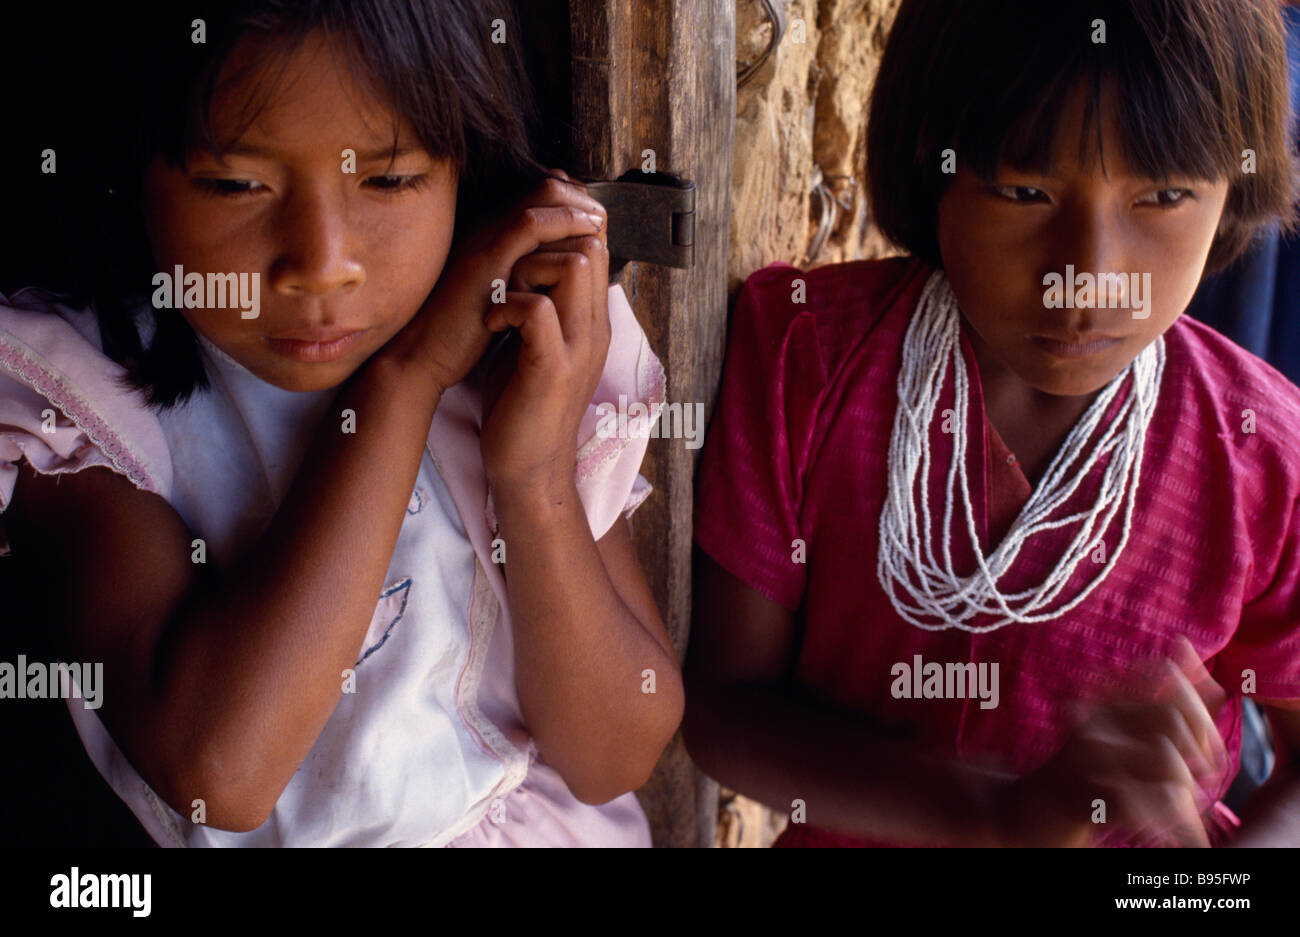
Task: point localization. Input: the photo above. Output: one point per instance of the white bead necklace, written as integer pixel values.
(936, 597)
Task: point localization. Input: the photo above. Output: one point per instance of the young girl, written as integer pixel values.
(351, 581)
(985, 547)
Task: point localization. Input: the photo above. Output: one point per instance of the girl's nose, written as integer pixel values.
(1091, 244)
(314, 255)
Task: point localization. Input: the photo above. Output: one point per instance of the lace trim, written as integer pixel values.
(483, 816)
(651, 381)
(44, 378)
(484, 613)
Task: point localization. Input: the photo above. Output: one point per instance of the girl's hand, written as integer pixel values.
(558, 300)
(448, 336)
(1150, 762)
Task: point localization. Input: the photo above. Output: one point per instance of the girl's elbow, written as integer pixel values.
(597, 788)
(207, 793)
(239, 817)
(631, 768)
(667, 721)
(210, 803)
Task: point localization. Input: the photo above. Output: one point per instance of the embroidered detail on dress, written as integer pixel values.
(483, 614)
(416, 504)
(484, 611)
(44, 378)
(650, 380)
(404, 587)
(483, 817)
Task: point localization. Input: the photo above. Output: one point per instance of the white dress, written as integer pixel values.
(429, 748)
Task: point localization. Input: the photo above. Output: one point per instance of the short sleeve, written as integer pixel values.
(632, 383)
(1267, 640)
(749, 484)
(62, 405)
(32, 429)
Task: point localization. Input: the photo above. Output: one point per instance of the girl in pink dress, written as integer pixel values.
(994, 541)
(352, 554)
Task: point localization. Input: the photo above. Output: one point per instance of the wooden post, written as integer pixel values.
(660, 75)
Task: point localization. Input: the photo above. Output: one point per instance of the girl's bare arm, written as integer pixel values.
(589, 642)
(219, 683)
(745, 727)
(598, 680)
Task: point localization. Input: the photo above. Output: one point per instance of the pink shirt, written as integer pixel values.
(797, 450)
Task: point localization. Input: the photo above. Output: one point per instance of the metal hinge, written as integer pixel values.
(651, 218)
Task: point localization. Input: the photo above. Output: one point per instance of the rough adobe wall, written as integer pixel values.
(802, 114)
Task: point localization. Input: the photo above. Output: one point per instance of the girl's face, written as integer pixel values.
(1000, 241)
(337, 252)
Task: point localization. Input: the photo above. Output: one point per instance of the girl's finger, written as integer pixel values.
(1173, 793)
(568, 191)
(1155, 723)
(534, 226)
(1163, 810)
(598, 251)
(1136, 752)
(1190, 663)
(1191, 706)
(575, 243)
(1182, 824)
(567, 278)
(534, 315)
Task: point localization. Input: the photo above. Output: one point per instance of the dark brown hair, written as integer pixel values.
(1199, 82)
(467, 98)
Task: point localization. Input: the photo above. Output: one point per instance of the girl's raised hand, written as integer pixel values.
(558, 300)
(1149, 762)
(450, 333)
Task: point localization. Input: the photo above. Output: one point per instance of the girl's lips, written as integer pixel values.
(1073, 349)
(314, 351)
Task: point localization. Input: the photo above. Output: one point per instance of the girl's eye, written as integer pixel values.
(229, 188)
(1163, 197)
(1020, 193)
(396, 183)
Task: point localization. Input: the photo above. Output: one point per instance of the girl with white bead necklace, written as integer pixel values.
(980, 565)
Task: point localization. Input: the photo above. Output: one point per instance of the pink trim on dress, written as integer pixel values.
(45, 381)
